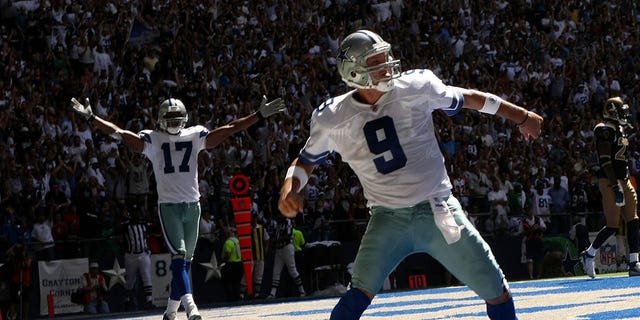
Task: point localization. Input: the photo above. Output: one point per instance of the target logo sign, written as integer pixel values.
(239, 184)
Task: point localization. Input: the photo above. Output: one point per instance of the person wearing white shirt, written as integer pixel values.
(41, 232)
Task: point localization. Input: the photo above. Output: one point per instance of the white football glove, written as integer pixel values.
(83, 110)
(270, 108)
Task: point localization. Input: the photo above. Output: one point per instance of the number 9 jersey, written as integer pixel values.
(175, 162)
(388, 143)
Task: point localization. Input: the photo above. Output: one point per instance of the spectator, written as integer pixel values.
(42, 233)
(94, 171)
(59, 233)
(138, 178)
(517, 200)
(71, 220)
(321, 226)
(55, 199)
(460, 188)
(541, 201)
(532, 228)
(206, 234)
(560, 201)
(20, 286)
(448, 145)
(95, 291)
(579, 197)
(10, 220)
(497, 199)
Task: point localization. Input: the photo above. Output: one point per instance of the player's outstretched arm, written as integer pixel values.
(291, 201)
(129, 138)
(529, 123)
(267, 109)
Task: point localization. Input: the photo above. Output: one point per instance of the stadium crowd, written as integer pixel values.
(561, 59)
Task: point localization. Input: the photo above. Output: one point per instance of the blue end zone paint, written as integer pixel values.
(529, 289)
(607, 297)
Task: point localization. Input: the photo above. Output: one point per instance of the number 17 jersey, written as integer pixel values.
(391, 145)
(175, 162)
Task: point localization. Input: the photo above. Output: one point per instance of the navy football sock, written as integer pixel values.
(503, 311)
(180, 279)
(351, 305)
(632, 235)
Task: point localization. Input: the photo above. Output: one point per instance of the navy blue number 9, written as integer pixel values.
(387, 142)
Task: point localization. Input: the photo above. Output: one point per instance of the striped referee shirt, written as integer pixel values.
(284, 233)
(135, 235)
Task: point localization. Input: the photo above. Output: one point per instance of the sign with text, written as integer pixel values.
(60, 278)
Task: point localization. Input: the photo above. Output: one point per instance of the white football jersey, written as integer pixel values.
(391, 145)
(175, 162)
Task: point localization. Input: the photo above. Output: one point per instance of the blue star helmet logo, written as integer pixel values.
(343, 55)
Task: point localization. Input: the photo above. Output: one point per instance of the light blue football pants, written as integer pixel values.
(180, 225)
(393, 234)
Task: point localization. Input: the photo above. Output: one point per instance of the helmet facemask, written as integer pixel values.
(355, 50)
(172, 116)
(391, 67)
(617, 111)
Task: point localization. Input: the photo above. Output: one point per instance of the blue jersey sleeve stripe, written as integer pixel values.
(204, 133)
(456, 104)
(311, 159)
(311, 163)
(145, 137)
(457, 101)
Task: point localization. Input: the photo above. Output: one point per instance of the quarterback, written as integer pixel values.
(384, 130)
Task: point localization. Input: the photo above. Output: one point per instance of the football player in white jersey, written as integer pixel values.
(384, 130)
(173, 150)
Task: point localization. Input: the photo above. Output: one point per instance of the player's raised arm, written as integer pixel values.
(130, 139)
(266, 110)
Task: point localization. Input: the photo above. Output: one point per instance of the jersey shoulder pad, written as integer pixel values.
(199, 130)
(415, 78)
(146, 135)
(332, 111)
(604, 131)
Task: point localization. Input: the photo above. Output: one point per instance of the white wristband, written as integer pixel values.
(491, 104)
(298, 173)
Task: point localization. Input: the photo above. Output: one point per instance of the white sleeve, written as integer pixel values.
(318, 145)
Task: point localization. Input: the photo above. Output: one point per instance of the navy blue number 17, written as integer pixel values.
(381, 138)
(184, 146)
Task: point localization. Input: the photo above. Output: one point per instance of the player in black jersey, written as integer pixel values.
(618, 195)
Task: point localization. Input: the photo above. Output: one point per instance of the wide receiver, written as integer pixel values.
(384, 129)
(173, 150)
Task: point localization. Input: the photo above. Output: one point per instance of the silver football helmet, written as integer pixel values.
(172, 116)
(355, 49)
